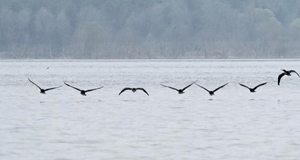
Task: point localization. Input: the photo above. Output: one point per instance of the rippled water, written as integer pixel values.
(233, 124)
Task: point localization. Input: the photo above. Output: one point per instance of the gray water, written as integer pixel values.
(233, 124)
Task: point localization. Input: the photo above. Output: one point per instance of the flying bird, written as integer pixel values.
(43, 91)
(133, 90)
(82, 92)
(253, 89)
(212, 92)
(180, 91)
(285, 72)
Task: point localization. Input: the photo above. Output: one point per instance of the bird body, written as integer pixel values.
(212, 92)
(180, 91)
(253, 89)
(287, 73)
(133, 90)
(83, 92)
(43, 91)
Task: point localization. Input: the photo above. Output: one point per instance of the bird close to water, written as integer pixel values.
(212, 92)
(285, 72)
(83, 92)
(253, 89)
(133, 90)
(180, 91)
(43, 91)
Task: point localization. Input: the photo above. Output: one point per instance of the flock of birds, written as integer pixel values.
(180, 91)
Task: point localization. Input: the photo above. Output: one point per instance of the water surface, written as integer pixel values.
(233, 124)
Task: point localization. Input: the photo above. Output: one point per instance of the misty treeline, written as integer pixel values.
(149, 28)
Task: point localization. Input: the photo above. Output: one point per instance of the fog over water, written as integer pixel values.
(97, 29)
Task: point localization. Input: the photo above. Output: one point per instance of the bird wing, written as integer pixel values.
(89, 90)
(220, 87)
(52, 88)
(124, 90)
(202, 87)
(188, 86)
(295, 72)
(244, 85)
(279, 77)
(169, 87)
(259, 85)
(72, 87)
(143, 90)
(34, 84)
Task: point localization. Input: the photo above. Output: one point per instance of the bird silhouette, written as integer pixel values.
(212, 92)
(253, 89)
(285, 72)
(83, 92)
(180, 91)
(43, 91)
(133, 90)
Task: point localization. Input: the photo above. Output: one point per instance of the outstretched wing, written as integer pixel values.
(244, 86)
(89, 90)
(124, 90)
(48, 89)
(143, 90)
(220, 87)
(202, 87)
(188, 86)
(295, 72)
(72, 87)
(169, 87)
(279, 77)
(259, 85)
(34, 84)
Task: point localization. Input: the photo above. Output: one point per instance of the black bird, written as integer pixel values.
(253, 89)
(43, 91)
(285, 72)
(134, 90)
(180, 91)
(82, 92)
(212, 92)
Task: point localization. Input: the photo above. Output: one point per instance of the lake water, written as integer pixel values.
(232, 125)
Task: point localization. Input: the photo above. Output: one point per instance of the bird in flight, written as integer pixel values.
(212, 92)
(82, 92)
(43, 91)
(253, 89)
(180, 91)
(133, 90)
(285, 72)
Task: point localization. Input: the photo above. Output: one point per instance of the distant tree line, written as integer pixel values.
(149, 28)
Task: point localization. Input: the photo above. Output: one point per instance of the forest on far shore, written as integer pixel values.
(98, 29)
